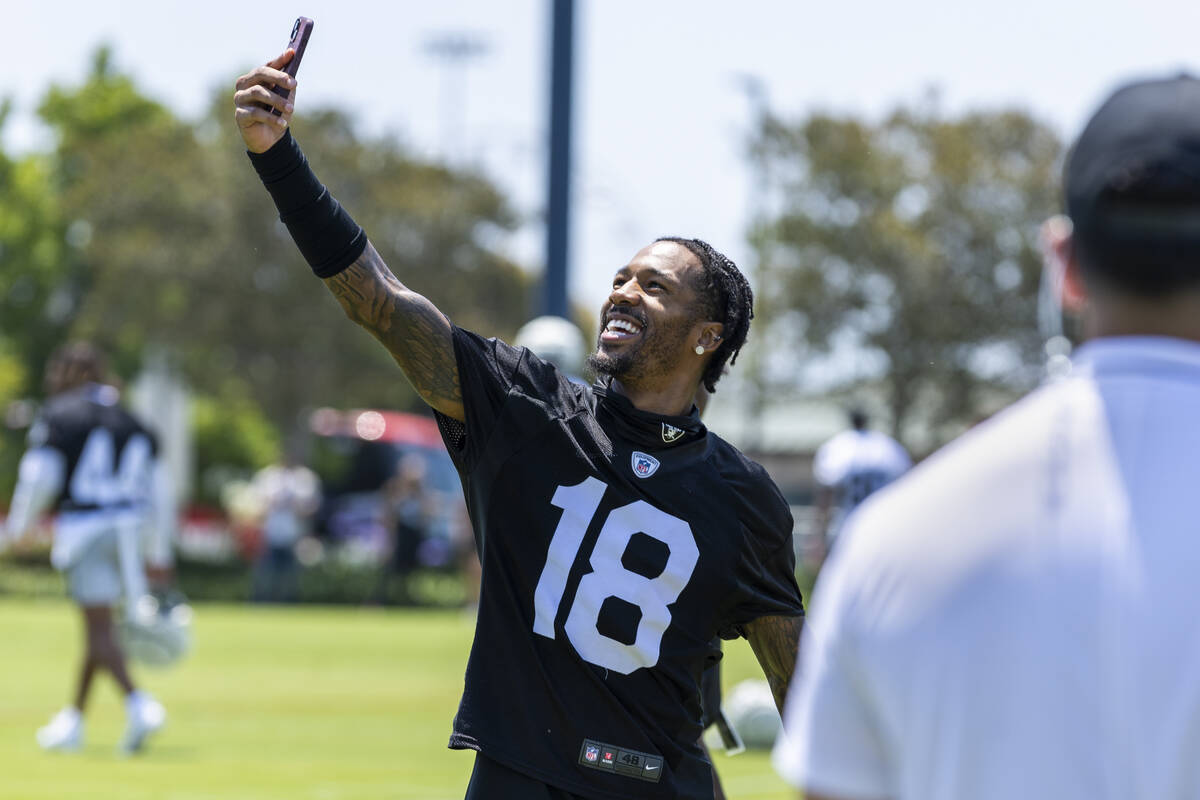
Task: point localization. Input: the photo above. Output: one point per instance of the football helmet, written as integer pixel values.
(158, 630)
(556, 340)
(750, 708)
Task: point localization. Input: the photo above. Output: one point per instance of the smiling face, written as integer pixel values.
(653, 318)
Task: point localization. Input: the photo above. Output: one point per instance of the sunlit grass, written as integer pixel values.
(295, 703)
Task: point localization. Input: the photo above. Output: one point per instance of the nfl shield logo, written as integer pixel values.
(592, 753)
(643, 465)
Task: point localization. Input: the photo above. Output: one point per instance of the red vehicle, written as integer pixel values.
(356, 453)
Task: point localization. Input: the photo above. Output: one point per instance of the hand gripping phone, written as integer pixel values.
(301, 30)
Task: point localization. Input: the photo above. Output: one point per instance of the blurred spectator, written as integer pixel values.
(409, 510)
(288, 493)
(849, 468)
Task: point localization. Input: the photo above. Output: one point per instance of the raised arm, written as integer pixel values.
(412, 329)
(775, 642)
(407, 324)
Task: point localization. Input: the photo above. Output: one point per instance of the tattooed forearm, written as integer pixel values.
(775, 641)
(407, 324)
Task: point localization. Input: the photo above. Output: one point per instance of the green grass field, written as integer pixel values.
(295, 703)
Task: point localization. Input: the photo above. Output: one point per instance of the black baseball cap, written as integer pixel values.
(1132, 186)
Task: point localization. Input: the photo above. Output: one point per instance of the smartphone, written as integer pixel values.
(299, 40)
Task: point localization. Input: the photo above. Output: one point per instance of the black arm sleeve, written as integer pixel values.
(326, 235)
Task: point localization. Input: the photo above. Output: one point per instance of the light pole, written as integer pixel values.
(755, 92)
(455, 50)
(558, 206)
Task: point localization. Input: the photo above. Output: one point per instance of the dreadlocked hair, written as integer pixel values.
(726, 297)
(73, 365)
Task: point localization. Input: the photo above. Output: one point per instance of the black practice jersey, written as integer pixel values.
(616, 545)
(109, 454)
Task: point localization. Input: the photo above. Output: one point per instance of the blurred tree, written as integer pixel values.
(143, 229)
(434, 227)
(180, 245)
(129, 178)
(233, 439)
(12, 416)
(38, 267)
(910, 243)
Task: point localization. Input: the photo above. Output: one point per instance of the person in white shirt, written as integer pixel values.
(1016, 618)
(849, 468)
(98, 467)
(289, 494)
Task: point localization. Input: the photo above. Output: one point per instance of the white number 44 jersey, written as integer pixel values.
(94, 463)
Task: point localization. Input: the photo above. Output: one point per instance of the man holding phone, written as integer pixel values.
(618, 537)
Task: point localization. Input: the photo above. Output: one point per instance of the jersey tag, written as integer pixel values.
(644, 465)
(620, 761)
(670, 433)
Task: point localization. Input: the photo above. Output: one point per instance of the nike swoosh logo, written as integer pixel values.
(650, 768)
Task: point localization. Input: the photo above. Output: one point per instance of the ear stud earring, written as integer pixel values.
(699, 349)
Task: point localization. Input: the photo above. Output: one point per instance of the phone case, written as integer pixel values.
(301, 30)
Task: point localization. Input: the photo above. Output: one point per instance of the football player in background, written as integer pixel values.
(1017, 616)
(618, 536)
(848, 469)
(98, 467)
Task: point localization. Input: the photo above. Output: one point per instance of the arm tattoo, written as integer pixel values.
(775, 641)
(411, 328)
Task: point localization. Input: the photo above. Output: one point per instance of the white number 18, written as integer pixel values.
(610, 578)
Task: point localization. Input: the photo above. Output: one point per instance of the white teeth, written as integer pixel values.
(622, 325)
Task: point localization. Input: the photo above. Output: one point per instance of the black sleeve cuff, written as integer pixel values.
(285, 173)
(282, 158)
(325, 234)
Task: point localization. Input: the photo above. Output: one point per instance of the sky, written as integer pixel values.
(660, 107)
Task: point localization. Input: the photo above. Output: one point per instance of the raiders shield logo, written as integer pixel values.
(670, 433)
(643, 465)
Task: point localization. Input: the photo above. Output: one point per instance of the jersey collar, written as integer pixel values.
(651, 431)
(1153, 356)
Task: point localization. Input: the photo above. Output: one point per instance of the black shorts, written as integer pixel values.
(491, 780)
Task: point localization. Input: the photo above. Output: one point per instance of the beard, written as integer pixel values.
(653, 355)
(611, 365)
